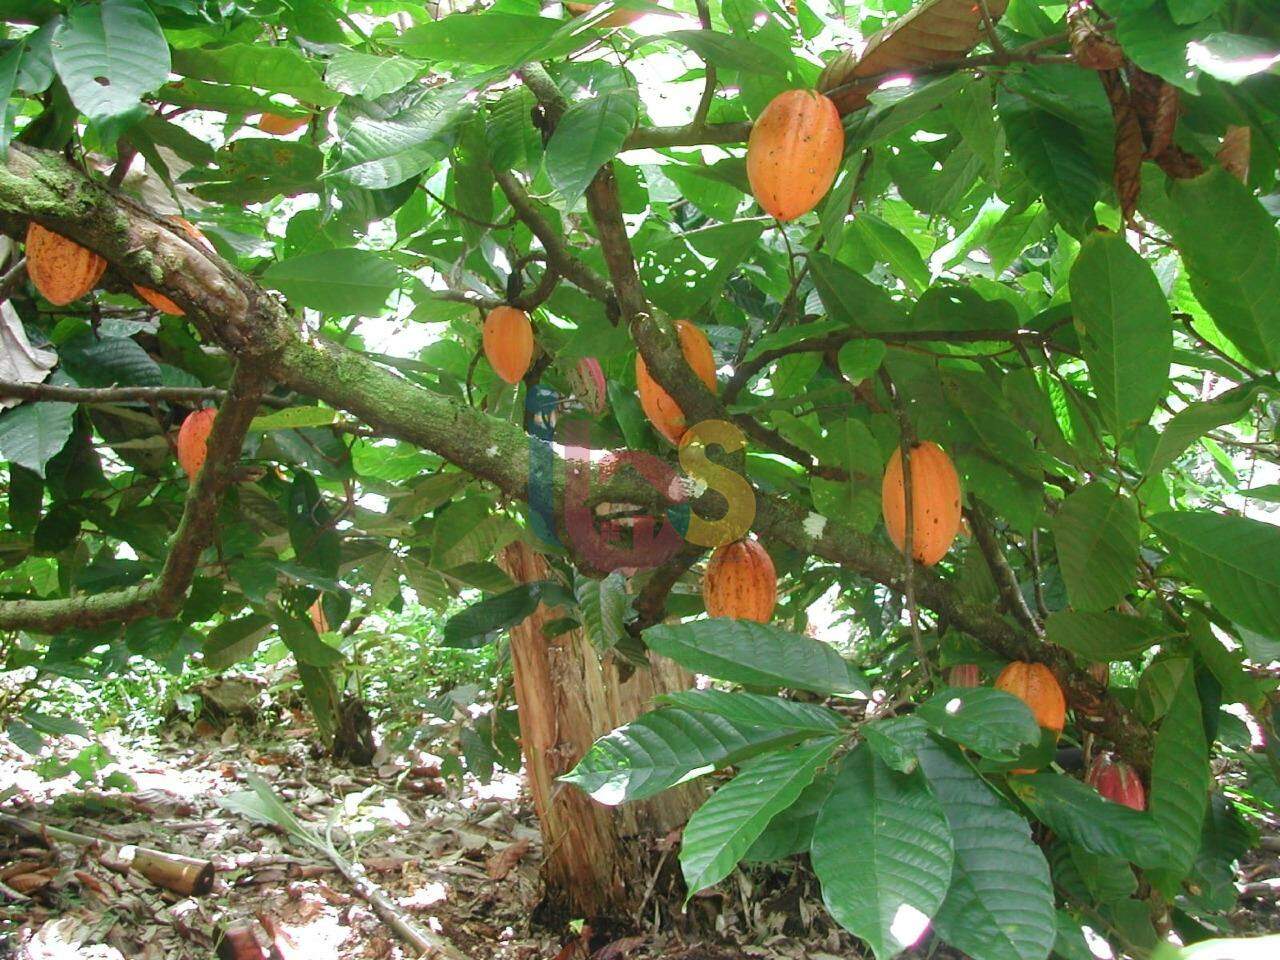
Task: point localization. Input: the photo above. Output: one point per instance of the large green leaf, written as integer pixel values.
(721, 831)
(343, 282)
(97, 361)
(477, 625)
(304, 643)
(1077, 813)
(109, 55)
(666, 747)
(1197, 419)
(852, 299)
(755, 654)
(492, 38)
(33, 433)
(1096, 532)
(729, 51)
(364, 75)
(276, 69)
(604, 607)
(1051, 154)
(386, 143)
(990, 722)
(588, 136)
(758, 710)
(1105, 636)
(1235, 560)
(1000, 902)
(1128, 339)
(883, 852)
(1180, 780)
(1234, 273)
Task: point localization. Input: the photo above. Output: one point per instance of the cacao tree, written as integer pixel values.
(314, 308)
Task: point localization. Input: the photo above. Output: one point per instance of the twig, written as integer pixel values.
(709, 89)
(1036, 586)
(1006, 580)
(49, 391)
(9, 282)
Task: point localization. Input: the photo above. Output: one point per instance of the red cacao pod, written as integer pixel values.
(1035, 685)
(61, 269)
(658, 405)
(1117, 781)
(619, 18)
(508, 342)
(279, 126)
(587, 380)
(794, 153)
(935, 502)
(193, 439)
(965, 675)
(740, 582)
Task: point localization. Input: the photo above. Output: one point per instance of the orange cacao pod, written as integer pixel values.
(508, 342)
(740, 582)
(1117, 781)
(193, 439)
(619, 18)
(935, 502)
(794, 153)
(61, 269)
(278, 126)
(658, 405)
(1035, 685)
(964, 675)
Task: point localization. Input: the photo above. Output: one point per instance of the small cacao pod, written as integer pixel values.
(1035, 685)
(794, 153)
(964, 675)
(619, 18)
(154, 297)
(193, 439)
(658, 405)
(278, 126)
(1117, 781)
(935, 502)
(587, 379)
(61, 269)
(508, 342)
(740, 582)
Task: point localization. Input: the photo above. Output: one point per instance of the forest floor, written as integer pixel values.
(458, 860)
(462, 862)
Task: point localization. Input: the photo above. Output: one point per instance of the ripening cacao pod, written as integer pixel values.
(619, 18)
(1117, 781)
(740, 582)
(508, 342)
(587, 380)
(61, 269)
(794, 153)
(1035, 685)
(154, 297)
(964, 675)
(279, 126)
(935, 502)
(658, 405)
(193, 440)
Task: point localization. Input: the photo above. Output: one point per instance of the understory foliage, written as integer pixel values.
(1057, 260)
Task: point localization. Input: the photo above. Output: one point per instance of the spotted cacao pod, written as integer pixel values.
(658, 405)
(794, 153)
(61, 269)
(740, 582)
(935, 502)
(193, 440)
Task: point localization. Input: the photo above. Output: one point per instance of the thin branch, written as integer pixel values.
(48, 391)
(9, 282)
(709, 88)
(1006, 580)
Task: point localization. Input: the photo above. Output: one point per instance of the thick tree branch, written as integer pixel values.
(163, 596)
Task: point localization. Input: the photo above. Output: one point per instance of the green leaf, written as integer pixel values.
(24, 738)
(1192, 11)
(1155, 43)
(109, 55)
(860, 359)
(1180, 781)
(291, 418)
(589, 135)
(727, 50)
(1051, 153)
(883, 852)
(759, 710)
(755, 654)
(491, 39)
(514, 143)
(8, 80)
(604, 606)
(1233, 58)
(1234, 273)
(1079, 814)
(897, 740)
(32, 434)
(109, 361)
(1105, 636)
(992, 723)
(364, 75)
(888, 245)
(233, 640)
(338, 283)
(1197, 419)
(304, 643)
(852, 299)
(1096, 532)
(1000, 902)
(721, 831)
(474, 626)
(385, 144)
(1128, 339)
(277, 69)
(53, 726)
(666, 747)
(1235, 560)
(791, 831)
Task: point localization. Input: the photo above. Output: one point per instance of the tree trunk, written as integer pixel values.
(595, 862)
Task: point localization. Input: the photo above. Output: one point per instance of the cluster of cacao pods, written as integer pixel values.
(658, 405)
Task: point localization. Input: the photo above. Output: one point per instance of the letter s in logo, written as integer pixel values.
(735, 489)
